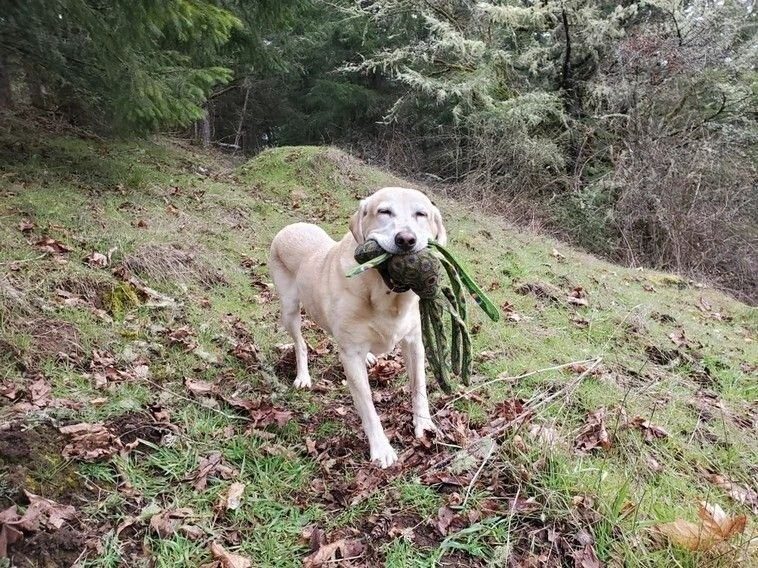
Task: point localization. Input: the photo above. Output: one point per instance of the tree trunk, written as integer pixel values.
(34, 86)
(238, 137)
(6, 97)
(205, 129)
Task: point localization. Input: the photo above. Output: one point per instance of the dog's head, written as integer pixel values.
(401, 220)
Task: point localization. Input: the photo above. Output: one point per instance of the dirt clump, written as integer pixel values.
(61, 549)
(135, 425)
(31, 459)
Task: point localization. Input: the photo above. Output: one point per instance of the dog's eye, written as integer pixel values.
(384, 212)
(421, 214)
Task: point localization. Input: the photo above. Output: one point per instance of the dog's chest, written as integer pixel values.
(392, 317)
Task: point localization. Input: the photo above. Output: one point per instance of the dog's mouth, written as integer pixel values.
(388, 244)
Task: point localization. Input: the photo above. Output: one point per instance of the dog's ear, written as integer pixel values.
(356, 222)
(440, 234)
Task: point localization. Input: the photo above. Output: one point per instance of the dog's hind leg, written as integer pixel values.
(292, 323)
(290, 318)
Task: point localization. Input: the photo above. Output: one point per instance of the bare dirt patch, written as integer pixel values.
(57, 549)
(135, 426)
(50, 338)
(31, 459)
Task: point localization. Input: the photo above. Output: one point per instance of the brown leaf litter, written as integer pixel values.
(211, 466)
(739, 493)
(387, 368)
(594, 435)
(340, 550)
(52, 246)
(91, 442)
(41, 514)
(225, 559)
(170, 521)
(578, 297)
(650, 431)
(714, 529)
(262, 412)
(231, 499)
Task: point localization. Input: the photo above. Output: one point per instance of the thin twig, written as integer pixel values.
(478, 472)
(40, 257)
(517, 377)
(531, 406)
(188, 399)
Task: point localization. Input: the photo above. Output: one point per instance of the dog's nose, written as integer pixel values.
(405, 240)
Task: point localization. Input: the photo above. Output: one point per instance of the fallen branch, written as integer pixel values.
(517, 377)
(531, 406)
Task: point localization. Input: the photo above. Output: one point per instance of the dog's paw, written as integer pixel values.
(383, 454)
(422, 425)
(303, 382)
(371, 360)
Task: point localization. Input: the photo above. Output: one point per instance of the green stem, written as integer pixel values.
(476, 292)
(373, 263)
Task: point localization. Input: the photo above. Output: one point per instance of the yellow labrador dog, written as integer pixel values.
(363, 316)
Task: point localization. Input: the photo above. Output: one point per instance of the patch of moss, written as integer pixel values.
(122, 298)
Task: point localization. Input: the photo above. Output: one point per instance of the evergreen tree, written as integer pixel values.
(136, 64)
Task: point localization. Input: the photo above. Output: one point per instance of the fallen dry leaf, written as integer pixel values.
(9, 391)
(91, 442)
(578, 297)
(52, 246)
(678, 338)
(96, 260)
(229, 559)
(741, 494)
(182, 336)
(386, 368)
(510, 312)
(713, 529)
(166, 523)
(586, 557)
(39, 393)
(213, 465)
(9, 534)
(445, 516)
(198, 387)
(649, 430)
(25, 225)
(270, 415)
(246, 351)
(232, 500)
(192, 532)
(45, 512)
(547, 435)
(653, 464)
(338, 550)
(594, 433)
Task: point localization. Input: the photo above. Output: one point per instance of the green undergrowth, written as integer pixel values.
(195, 229)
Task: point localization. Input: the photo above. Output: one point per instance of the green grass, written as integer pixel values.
(92, 195)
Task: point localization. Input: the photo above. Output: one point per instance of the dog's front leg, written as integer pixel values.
(354, 363)
(413, 354)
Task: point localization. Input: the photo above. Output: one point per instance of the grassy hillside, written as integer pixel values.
(606, 402)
